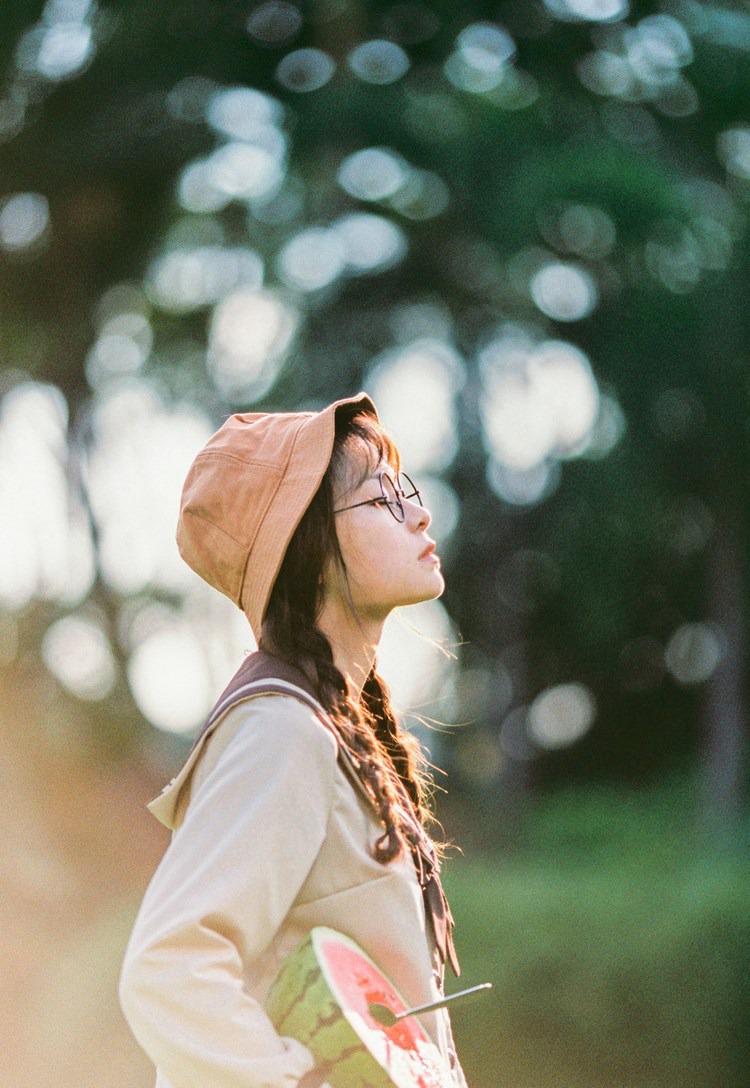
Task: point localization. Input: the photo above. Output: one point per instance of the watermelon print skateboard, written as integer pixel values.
(330, 996)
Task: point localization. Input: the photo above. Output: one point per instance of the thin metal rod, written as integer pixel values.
(387, 1017)
(443, 1001)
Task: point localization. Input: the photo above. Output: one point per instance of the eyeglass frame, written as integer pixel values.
(399, 491)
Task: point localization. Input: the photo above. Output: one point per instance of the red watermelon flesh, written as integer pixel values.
(404, 1049)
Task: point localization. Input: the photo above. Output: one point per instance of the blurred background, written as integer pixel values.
(522, 226)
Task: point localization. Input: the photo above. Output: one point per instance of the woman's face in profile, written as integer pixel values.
(388, 562)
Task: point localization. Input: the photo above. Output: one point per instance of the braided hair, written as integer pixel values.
(390, 760)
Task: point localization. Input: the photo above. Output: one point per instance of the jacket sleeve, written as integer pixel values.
(250, 835)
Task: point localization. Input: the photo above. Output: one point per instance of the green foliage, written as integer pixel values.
(618, 950)
(633, 539)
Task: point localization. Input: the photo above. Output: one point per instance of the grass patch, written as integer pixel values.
(619, 952)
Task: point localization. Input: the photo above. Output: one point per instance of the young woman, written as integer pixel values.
(302, 803)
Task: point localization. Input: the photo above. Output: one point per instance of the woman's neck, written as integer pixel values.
(354, 643)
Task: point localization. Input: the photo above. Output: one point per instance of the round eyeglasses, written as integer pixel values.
(392, 494)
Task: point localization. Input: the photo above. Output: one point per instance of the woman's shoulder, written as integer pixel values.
(263, 730)
(274, 719)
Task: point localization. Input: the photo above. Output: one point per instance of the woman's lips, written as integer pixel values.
(428, 555)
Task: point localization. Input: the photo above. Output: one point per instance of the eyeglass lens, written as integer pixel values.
(394, 493)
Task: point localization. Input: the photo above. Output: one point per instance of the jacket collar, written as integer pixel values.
(259, 674)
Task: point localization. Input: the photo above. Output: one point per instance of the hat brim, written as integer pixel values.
(308, 461)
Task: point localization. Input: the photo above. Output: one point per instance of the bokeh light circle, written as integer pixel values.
(522, 487)
(169, 678)
(247, 170)
(24, 218)
(243, 113)
(424, 196)
(312, 259)
(274, 23)
(373, 173)
(594, 11)
(378, 61)
(693, 653)
(371, 242)
(561, 715)
(46, 549)
(187, 279)
(733, 146)
(415, 388)
(541, 401)
(78, 654)
(305, 70)
(564, 292)
(486, 46)
(250, 333)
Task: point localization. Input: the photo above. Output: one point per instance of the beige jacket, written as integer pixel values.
(272, 836)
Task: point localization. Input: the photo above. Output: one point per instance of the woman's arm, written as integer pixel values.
(249, 838)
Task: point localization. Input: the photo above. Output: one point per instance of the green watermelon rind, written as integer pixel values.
(302, 1004)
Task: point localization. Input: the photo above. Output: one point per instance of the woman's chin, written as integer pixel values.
(441, 586)
(430, 593)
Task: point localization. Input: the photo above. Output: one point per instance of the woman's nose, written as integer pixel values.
(418, 516)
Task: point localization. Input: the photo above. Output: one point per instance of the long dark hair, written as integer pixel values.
(391, 761)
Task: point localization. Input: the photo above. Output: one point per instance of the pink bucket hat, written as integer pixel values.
(245, 495)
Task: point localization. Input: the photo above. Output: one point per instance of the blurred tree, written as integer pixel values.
(540, 192)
